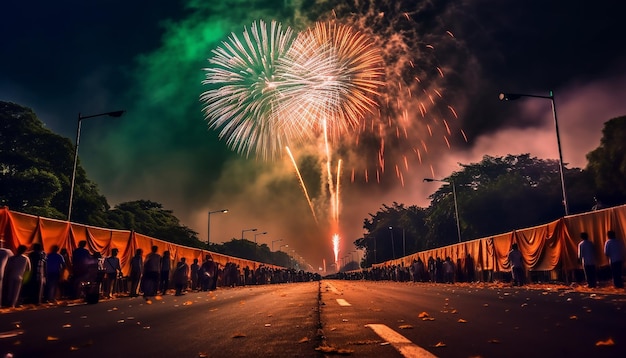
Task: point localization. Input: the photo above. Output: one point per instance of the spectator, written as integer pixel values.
(195, 269)
(166, 264)
(16, 267)
(112, 270)
(55, 265)
(35, 282)
(586, 253)
(4, 257)
(517, 265)
(181, 276)
(614, 250)
(150, 279)
(208, 272)
(80, 262)
(469, 268)
(136, 270)
(448, 270)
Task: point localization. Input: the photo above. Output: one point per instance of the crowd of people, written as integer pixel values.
(440, 270)
(36, 277)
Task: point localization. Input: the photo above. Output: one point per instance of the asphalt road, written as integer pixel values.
(466, 320)
(357, 318)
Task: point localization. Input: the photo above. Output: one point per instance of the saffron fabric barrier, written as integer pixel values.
(24, 229)
(544, 247)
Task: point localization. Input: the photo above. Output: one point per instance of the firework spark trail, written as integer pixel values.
(306, 193)
(336, 249)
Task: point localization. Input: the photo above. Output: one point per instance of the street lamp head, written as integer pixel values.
(508, 96)
(429, 180)
(116, 113)
(225, 211)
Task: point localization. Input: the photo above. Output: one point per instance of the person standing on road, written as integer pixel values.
(614, 250)
(166, 264)
(136, 269)
(151, 268)
(586, 253)
(80, 267)
(517, 265)
(112, 269)
(4, 257)
(33, 288)
(195, 270)
(207, 273)
(55, 265)
(17, 266)
(181, 276)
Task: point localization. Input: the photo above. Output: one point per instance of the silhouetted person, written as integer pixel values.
(136, 270)
(34, 285)
(586, 253)
(166, 264)
(517, 265)
(55, 265)
(469, 268)
(614, 250)
(80, 270)
(181, 276)
(195, 271)
(112, 270)
(151, 268)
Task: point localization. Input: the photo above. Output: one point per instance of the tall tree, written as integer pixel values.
(607, 163)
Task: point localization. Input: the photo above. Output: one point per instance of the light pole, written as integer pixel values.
(261, 233)
(80, 118)
(514, 96)
(273, 241)
(393, 247)
(244, 230)
(208, 231)
(456, 206)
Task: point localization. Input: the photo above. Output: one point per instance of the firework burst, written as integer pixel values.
(243, 101)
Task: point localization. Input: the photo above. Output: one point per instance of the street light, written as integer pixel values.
(456, 206)
(208, 231)
(514, 96)
(273, 241)
(261, 233)
(80, 118)
(242, 231)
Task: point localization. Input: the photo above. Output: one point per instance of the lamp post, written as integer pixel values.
(242, 231)
(273, 241)
(514, 96)
(261, 233)
(208, 231)
(393, 247)
(80, 118)
(456, 206)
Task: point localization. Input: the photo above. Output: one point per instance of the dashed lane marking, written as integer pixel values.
(343, 302)
(402, 344)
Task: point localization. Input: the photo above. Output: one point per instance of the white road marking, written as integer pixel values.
(343, 302)
(400, 343)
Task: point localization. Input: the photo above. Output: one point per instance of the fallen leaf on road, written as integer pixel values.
(461, 320)
(120, 321)
(187, 303)
(238, 335)
(11, 334)
(303, 340)
(486, 305)
(439, 345)
(268, 325)
(608, 342)
(203, 355)
(158, 298)
(73, 348)
(67, 325)
(493, 341)
(573, 317)
(422, 315)
(453, 311)
(51, 338)
(405, 326)
(428, 319)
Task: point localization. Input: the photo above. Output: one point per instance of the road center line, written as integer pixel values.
(400, 343)
(343, 302)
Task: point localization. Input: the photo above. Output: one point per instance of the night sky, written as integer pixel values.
(62, 58)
